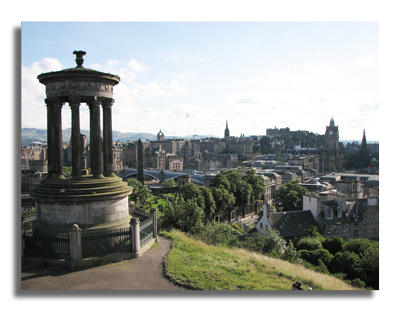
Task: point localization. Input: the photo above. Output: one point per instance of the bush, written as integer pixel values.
(181, 215)
(309, 243)
(270, 243)
(314, 257)
(348, 263)
(333, 245)
(216, 233)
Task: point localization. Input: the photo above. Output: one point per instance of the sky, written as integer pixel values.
(189, 78)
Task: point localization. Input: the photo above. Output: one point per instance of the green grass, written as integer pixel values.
(196, 265)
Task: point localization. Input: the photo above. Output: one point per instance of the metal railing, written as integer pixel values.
(47, 245)
(108, 242)
(146, 231)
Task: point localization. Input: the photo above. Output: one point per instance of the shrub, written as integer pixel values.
(314, 257)
(216, 233)
(309, 243)
(333, 245)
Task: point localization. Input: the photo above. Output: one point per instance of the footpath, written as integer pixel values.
(143, 273)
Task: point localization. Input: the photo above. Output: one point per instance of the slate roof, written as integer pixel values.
(358, 208)
(293, 223)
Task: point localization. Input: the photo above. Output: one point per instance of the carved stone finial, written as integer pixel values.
(79, 58)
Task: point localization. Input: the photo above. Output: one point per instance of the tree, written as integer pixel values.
(209, 202)
(333, 245)
(257, 184)
(139, 192)
(289, 197)
(224, 200)
(169, 183)
(183, 215)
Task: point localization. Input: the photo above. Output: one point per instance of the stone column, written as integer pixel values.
(57, 142)
(75, 244)
(135, 231)
(74, 103)
(50, 138)
(153, 211)
(95, 139)
(107, 137)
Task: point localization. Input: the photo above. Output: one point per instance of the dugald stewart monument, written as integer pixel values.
(91, 197)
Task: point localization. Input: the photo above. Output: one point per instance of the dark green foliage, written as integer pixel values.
(246, 189)
(270, 243)
(289, 197)
(333, 245)
(314, 257)
(216, 233)
(139, 193)
(358, 246)
(356, 261)
(169, 183)
(309, 243)
(348, 263)
(224, 200)
(257, 184)
(182, 215)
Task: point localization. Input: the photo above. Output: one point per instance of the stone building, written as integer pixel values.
(331, 155)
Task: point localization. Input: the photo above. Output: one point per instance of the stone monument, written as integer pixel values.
(94, 198)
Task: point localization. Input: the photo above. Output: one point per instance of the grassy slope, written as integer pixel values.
(196, 265)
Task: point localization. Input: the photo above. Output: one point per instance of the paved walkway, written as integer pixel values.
(143, 273)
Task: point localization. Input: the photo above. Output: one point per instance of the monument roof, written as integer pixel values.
(78, 73)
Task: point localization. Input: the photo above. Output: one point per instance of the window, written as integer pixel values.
(337, 229)
(345, 228)
(329, 230)
(365, 233)
(355, 233)
(339, 212)
(328, 213)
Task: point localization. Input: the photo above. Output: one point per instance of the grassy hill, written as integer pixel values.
(196, 265)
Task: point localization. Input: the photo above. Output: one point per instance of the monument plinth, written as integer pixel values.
(97, 199)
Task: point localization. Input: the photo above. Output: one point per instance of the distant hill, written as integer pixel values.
(29, 135)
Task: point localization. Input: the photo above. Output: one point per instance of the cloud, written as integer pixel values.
(138, 67)
(33, 92)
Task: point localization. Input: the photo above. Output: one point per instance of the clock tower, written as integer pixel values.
(332, 136)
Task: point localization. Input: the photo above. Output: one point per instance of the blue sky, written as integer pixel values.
(188, 78)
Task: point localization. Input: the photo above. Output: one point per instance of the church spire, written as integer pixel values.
(226, 134)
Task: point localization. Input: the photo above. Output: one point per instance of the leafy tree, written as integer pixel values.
(169, 183)
(139, 192)
(192, 192)
(257, 184)
(370, 264)
(333, 245)
(243, 193)
(209, 202)
(359, 246)
(183, 215)
(348, 263)
(224, 200)
(289, 197)
(309, 243)
(314, 257)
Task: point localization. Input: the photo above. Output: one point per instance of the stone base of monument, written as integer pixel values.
(90, 203)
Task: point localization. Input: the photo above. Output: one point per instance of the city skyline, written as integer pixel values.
(188, 78)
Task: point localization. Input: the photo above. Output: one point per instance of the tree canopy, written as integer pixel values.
(289, 197)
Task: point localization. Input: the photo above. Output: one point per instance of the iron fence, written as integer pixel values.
(47, 245)
(108, 242)
(146, 231)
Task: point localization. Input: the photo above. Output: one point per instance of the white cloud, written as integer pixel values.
(138, 66)
(33, 92)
